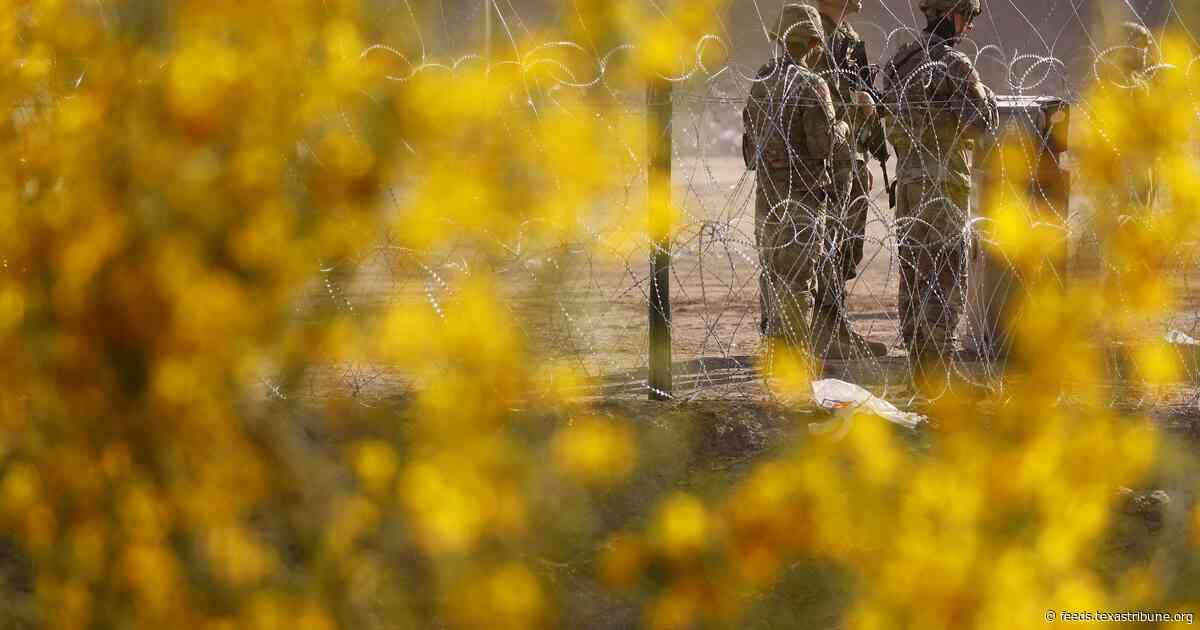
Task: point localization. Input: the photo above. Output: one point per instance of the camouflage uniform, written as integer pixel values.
(1128, 73)
(1136, 68)
(790, 133)
(845, 68)
(940, 104)
(1135, 57)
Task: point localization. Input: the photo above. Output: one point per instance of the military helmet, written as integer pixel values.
(799, 23)
(1136, 35)
(937, 8)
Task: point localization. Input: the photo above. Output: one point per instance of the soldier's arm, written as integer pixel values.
(890, 98)
(863, 69)
(749, 148)
(975, 102)
(874, 138)
(823, 132)
(754, 117)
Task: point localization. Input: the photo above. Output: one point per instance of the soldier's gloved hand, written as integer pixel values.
(841, 132)
(865, 103)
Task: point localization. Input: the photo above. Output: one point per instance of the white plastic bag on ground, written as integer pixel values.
(1181, 338)
(844, 399)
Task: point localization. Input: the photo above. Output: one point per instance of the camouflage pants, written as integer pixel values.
(931, 221)
(845, 234)
(786, 226)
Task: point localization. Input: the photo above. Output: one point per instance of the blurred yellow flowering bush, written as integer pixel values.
(176, 172)
(1012, 508)
(180, 173)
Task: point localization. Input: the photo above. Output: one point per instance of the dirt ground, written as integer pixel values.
(587, 302)
(592, 310)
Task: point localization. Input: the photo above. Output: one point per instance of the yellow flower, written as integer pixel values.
(202, 75)
(20, 488)
(682, 527)
(595, 451)
(376, 464)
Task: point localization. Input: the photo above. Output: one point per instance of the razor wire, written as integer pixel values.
(585, 302)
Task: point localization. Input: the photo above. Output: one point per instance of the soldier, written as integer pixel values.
(845, 68)
(1136, 66)
(1134, 59)
(940, 104)
(1124, 72)
(790, 134)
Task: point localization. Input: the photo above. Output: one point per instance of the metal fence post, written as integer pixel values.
(488, 8)
(658, 181)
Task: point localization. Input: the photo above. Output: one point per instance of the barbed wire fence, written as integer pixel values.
(586, 302)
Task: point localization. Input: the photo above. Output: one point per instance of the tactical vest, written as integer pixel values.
(927, 131)
(774, 136)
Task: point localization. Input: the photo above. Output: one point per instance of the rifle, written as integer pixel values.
(867, 74)
(866, 71)
(889, 185)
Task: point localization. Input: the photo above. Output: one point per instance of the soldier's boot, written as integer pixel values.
(834, 339)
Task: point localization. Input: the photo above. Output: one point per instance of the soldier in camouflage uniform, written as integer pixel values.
(939, 105)
(1127, 72)
(1135, 59)
(846, 70)
(1124, 71)
(790, 134)
(1136, 66)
